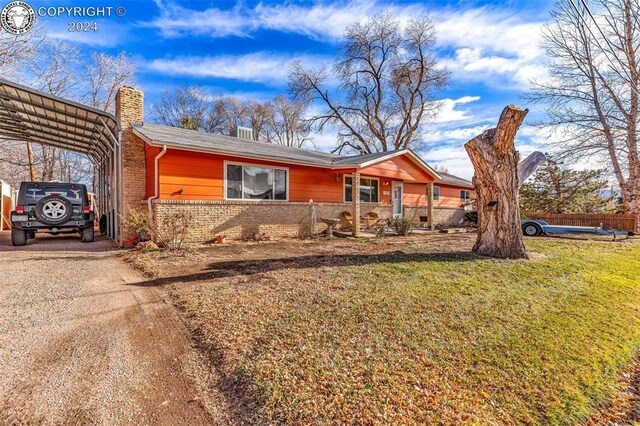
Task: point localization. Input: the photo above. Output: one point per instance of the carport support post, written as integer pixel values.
(120, 217)
(108, 195)
(430, 205)
(355, 203)
(116, 195)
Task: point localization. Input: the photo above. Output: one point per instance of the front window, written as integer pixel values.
(255, 183)
(436, 193)
(368, 190)
(465, 196)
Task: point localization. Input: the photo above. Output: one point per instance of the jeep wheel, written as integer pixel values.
(53, 210)
(18, 237)
(87, 235)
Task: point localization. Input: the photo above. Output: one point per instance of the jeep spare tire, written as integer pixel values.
(53, 210)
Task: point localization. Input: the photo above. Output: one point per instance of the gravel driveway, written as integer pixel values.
(81, 343)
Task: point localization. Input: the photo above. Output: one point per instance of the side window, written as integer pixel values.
(436, 193)
(465, 196)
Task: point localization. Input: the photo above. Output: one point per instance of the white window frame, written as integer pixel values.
(466, 199)
(266, 166)
(434, 197)
(344, 189)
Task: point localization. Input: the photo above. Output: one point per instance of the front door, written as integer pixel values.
(396, 198)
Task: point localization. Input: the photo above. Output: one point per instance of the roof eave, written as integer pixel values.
(416, 159)
(159, 143)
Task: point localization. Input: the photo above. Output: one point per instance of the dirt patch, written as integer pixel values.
(79, 344)
(246, 256)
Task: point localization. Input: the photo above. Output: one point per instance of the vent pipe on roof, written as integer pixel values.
(242, 133)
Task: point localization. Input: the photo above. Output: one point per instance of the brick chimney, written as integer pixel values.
(129, 106)
(130, 109)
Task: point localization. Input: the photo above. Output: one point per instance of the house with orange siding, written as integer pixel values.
(238, 187)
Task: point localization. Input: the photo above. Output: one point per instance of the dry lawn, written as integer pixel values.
(413, 330)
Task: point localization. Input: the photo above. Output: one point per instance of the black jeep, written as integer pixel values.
(52, 207)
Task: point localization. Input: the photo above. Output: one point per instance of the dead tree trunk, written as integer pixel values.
(495, 161)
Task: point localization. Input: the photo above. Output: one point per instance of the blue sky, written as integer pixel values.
(244, 49)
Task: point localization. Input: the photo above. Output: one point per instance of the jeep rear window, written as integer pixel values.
(36, 192)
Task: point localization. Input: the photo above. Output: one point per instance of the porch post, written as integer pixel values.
(355, 203)
(430, 205)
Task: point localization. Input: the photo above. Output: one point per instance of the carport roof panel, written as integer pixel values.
(31, 115)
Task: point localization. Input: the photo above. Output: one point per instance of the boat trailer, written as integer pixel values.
(532, 228)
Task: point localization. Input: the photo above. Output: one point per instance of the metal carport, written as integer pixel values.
(30, 115)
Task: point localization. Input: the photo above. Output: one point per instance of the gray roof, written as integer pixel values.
(177, 137)
(362, 158)
(449, 179)
(194, 140)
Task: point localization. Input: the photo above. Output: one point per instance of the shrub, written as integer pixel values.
(174, 229)
(401, 225)
(138, 221)
(471, 217)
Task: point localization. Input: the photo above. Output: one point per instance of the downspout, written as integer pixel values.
(156, 184)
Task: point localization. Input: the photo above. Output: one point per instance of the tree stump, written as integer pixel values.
(495, 161)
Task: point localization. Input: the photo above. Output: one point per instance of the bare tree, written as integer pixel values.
(54, 71)
(230, 112)
(279, 121)
(441, 168)
(285, 123)
(387, 80)
(16, 50)
(105, 74)
(592, 96)
(14, 164)
(183, 107)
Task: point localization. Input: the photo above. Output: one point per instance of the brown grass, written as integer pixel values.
(411, 330)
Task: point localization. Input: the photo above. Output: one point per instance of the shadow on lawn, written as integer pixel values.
(251, 267)
(239, 389)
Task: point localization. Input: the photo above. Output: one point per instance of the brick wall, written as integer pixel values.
(242, 219)
(443, 217)
(130, 109)
(238, 219)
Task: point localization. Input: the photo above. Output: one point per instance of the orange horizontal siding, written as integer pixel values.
(400, 167)
(415, 194)
(450, 196)
(200, 176)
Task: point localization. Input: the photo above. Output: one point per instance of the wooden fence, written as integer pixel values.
(623, 222)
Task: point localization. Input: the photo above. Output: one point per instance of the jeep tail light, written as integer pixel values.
(20, 209)
(86, 209)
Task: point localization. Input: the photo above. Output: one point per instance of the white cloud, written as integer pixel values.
(448, 111)
(475, 64)
(453, 158)
(487, 44)
(175, 21)
(109, 34)
(320, 21)
(263, 67)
